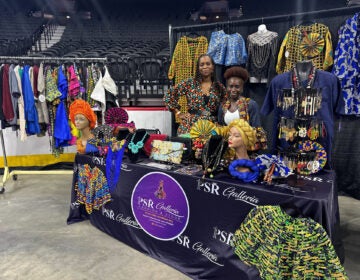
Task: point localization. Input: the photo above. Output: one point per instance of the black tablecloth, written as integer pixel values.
(216, 208)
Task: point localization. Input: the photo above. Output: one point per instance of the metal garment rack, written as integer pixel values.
(7, 174)
(258, 20)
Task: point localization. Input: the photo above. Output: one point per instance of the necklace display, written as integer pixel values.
(211, 159)
(296, 80)
(302, 126)
(302, 98)
(134, 148)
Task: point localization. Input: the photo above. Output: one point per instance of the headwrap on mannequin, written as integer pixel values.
(248, 133)
(80, 106)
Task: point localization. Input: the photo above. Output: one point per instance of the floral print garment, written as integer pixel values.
(199, 106)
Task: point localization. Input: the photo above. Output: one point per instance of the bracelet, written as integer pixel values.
(178, 113)
(246, 177)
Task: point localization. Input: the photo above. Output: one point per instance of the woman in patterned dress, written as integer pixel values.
(203, 95)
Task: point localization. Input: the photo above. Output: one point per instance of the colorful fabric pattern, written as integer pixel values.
(330, 103)
(197, 106)
(92, 188)
(346, 65)
(227, 49)
(306, 42)
(248, 110)
(184, 59)
(283, 247)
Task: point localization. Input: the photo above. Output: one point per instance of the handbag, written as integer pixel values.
(188, 153)
(154, 136)
(167, 151)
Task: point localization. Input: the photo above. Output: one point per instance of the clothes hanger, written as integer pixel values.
(307, 20)
(192, 34)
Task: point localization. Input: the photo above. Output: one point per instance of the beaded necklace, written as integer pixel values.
(211, 159)
(134, 148)
(296, 80)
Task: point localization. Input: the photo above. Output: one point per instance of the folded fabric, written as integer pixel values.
(284, 247)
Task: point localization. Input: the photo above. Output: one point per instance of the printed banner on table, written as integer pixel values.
(160, 206)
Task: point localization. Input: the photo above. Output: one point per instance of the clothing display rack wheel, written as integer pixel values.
(7, 173)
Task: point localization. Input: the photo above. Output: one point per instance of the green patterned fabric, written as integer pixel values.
(283, 247)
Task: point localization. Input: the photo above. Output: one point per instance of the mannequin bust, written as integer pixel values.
(84, 119)
(303, 69)
(136, 144)
(262, 29)
(242, 138)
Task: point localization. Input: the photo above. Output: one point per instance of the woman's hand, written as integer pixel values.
(182, 116)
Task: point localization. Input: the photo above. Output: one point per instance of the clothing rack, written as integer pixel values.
(52, 58)
(5, 58)
(259, 20)
(14, 173)
(7, 174)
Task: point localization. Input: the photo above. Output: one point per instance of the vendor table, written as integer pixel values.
(188, 222)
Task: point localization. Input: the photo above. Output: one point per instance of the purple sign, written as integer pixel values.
(160, 206)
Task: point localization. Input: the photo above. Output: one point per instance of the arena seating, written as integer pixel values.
(135, 43)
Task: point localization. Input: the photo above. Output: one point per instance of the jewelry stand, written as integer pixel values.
(136, 144)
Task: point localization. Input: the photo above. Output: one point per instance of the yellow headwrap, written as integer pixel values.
(248, 133)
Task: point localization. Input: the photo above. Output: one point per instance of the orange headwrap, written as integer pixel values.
(80, 106)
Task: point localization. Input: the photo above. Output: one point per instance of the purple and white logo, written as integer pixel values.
(160, 206)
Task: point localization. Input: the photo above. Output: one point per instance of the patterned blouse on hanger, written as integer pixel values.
(262, 48)
(306, 42)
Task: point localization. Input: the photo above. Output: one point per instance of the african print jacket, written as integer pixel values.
(184, 59)
(346, 65)
(227, 49)
(306, 42)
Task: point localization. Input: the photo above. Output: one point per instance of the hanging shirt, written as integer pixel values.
(31, 117)
(262, 50)
(14, 93)
(346, 65)
(41, 105)
(227, 49)
(306, 42)
(185, 56)
(7, 105)
(330, 104)
(62, 134)
(22, 121)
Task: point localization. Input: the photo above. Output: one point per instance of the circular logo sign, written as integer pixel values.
(160, 206)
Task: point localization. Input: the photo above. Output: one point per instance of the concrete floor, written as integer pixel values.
(36, 243)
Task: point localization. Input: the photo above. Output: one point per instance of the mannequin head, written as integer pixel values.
(242, 137)
(81, 121)
(236, 77)
(82, 115)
